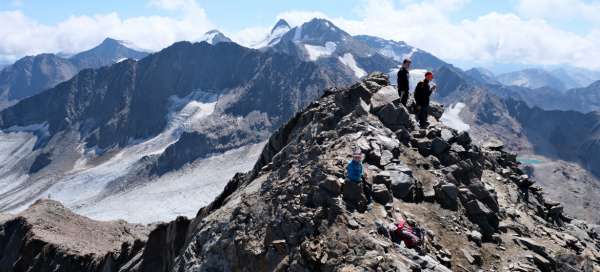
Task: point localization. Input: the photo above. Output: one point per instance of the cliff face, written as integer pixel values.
(295, 212)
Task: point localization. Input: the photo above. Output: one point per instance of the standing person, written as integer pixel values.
(422, 93)
(403, 81)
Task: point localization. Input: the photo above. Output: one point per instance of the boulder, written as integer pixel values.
(423, 145)
(353, 193)
(384, 178)
(400, 167)
(386, 157)
(384, 96)
(394, 116)
(439, 146)
(447, 135)
(463, 139)
(457, 148)
(401, 184)
(436, 110)
(447, 195)
(362, 108)
(332, 185)
(381, 194)
(493, 144)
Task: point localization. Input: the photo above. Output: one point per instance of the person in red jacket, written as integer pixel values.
(422, 93)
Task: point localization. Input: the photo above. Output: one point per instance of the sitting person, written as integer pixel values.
(407, 232)
(356, 180)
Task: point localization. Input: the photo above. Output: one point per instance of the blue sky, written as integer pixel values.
(477, 32)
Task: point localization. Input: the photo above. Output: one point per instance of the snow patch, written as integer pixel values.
(120, 60)
(178, 193)
(315, 51)
(81, 186)
(350, 62)
(451, 117)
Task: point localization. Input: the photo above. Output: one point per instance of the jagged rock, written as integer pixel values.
(386, 157)
(472, 257)
(447, 135)
(533, 246)
(332, 185)
(436, 110)
(381, 193)
(439, 146)
(384, 96)
(423, 145)
(384, 178)
(456, 148)
(401, 184)
(463, 139)
(447, 195)
(493, 144)
(476, 237)
(362, 108)
(394, 116)
(353, 193)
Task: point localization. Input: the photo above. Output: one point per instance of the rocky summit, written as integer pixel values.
(295, 212)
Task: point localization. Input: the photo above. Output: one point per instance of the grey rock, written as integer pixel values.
(401, 184)
(394, 116)
(386, 157)
(381, 194)
(384, 96)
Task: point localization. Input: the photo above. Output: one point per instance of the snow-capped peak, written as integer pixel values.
(214, 37)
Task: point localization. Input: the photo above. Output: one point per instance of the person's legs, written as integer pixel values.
(422, 115)
(367, 189)
(404, 97)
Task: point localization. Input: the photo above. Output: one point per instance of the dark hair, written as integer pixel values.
(406, 61)
(428, 73)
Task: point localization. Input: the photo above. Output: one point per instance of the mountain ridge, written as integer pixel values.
(294, 211)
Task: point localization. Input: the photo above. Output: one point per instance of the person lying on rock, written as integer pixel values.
(406, 231)
(422, 93)
(356, 173)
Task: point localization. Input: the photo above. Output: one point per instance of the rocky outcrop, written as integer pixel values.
(48, 237)
(294, 211)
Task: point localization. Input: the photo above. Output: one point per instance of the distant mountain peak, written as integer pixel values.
(214, 37)
(281, 24)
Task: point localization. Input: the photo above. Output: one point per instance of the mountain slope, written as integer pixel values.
(531, 78)
(295, 212)
(33, 74)
(121, 124)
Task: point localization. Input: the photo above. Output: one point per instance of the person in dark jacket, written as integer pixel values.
(422, 93)
(403, 81)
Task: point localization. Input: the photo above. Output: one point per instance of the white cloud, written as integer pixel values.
(21, 35)
(561, 10)
(490, 38)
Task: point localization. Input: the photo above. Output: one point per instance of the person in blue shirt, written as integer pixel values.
(356, 173)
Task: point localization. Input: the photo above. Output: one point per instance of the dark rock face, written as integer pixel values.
(290, 212)
(567, 135)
